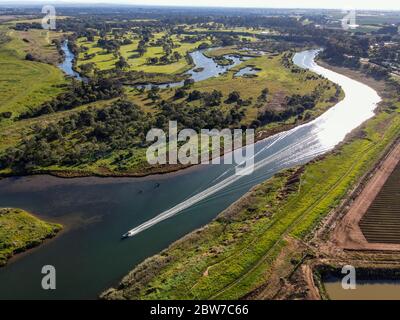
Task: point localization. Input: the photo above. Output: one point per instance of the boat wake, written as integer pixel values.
(287, 149)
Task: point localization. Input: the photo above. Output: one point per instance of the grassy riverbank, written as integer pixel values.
(19, 85)
(244, 246)
(19, 231)
(280, 80)
(103, 60)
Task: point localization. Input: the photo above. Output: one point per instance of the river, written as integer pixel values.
(204, 68)
(68, 64)
(89, 256)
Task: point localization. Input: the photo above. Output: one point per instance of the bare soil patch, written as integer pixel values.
(348, 234)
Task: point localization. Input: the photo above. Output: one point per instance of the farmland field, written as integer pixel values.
(381, 223)
(19, 85)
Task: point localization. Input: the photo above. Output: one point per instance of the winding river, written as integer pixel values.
(89, 255)
(204, 68)
(68, 64)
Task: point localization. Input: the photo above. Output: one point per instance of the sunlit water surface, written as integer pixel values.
(89, 255)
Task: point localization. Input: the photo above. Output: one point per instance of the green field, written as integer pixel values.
(236, 253)
(36, 42)
(24, 84)
(280, 81)
(19, 231)
(106, 61)
(19, 74)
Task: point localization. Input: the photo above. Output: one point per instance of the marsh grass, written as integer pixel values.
(19, 231)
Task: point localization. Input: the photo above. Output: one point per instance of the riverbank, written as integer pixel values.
(114, 205)
(21, 231)
(379, 86)
(281, 82)
(146, 170)
(260, 135)
(261, 239)
(327, 248)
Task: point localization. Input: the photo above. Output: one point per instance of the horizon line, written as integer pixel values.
(124, 3)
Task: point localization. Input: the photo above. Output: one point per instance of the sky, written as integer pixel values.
(331, 4)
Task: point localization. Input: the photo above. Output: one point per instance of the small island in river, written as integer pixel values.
(20, 230)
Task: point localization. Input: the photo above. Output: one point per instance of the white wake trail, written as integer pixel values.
(324, 133)
(221, 185)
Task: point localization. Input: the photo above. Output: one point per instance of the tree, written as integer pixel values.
(234, 96)
(127, 41)
(87, 67)
(152, 60)
(177, 55)
(264, 94)
(121, 63)
(167, 49)
(153, 93)
(29, 57)
(164, 59)
(188, 82)
(194, 95)
(179, 93)
(213, 98)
